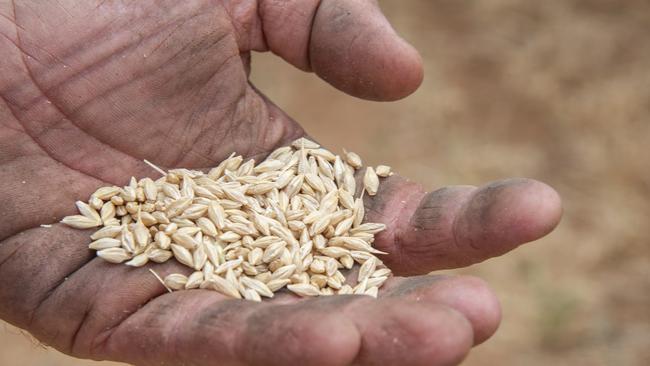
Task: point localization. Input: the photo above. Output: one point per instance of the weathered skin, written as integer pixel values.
(89, 89)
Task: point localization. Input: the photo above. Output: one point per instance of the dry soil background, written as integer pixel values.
(556, 90)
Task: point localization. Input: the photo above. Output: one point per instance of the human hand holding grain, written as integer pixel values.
(87, 91)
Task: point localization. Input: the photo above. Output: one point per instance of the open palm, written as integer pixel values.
(87, 91)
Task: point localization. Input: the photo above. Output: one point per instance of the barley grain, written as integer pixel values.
(246, 229)
(352, 159)
(370, 181)
(303, 289)
(383, 171)
(80, 222)
(113, 255)
(175, 281)
(104, 243)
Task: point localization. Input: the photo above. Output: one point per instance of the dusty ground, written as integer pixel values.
(554, 90)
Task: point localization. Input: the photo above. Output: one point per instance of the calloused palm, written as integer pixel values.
(89, 89)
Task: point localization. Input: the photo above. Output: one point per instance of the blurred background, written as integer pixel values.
(553, 90)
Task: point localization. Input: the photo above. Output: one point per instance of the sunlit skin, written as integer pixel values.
(88, 90)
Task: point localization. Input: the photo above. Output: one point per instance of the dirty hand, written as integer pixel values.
(90, 89)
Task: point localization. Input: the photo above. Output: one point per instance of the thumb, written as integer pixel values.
(348, 43)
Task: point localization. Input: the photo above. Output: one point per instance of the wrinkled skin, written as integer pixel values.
(88, 90)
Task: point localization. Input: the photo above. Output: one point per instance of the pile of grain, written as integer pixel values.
(247, 230)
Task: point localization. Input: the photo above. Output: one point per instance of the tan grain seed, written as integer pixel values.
(128, 240)
(150, 189)
(229, 237)
(194, 280)
(358, 211)
(213, 253)
(128, 194)
(228, 266)
(249, 269)
(141, 234)
(303, 289)
(106, 232)
(138, 261)
(346, 290)
(233, 163)
(171, 228)
(121, 211)
(139, 194)
(217, 215)
(339, 170)
(162, 240)
(283, 272)
(331, 266)
(317, 266)
(208, 270)
(322, 153)
(349, 183)
(207, 226)
(194, 211)
(347, 261)
(175, 281)
(334, 283)
(361, 287)
(113, 255)
(117, 200)
(182, 255)
(344, 226)
(320, 225)
(199, 258)
(369, 227)
(352, 159)
(377, 281)
(318, 280)
(277, 284)
(367, 268)
(268, 165)
(381, 272)
(360, 256)
(132, 207)
(273, 251)
(177, 207)
(304, 143)
(259, 286)
(372, 291)
(239, 228)
(315, 182)
(383, 171)
(371, 181)
(104, 243)
(87, 211)
(80, 222)
(159, 255)
(171, 191)
(105, 193)
(252, 295)
(95, 202)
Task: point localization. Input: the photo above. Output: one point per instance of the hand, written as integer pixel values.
(88, 91)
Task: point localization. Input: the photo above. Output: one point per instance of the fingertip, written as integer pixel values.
(446, 336)
(337, 340)
(533, 207)
(354, 48)
(400, 331)
(548, 207)
(473, 298)
(397, 74)
(504, 214)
